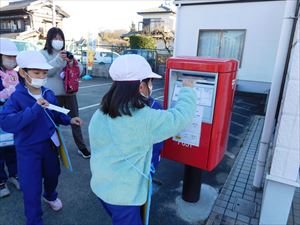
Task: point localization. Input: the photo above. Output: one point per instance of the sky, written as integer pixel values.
(91, 16)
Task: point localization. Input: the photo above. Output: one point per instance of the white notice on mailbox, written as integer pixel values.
(191, 135)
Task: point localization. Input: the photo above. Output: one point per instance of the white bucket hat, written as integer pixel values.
(131, 67)
(32, 60)
(7, 47)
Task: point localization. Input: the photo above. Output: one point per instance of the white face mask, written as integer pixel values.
(36, 82)
(57, 44)
(9, 64)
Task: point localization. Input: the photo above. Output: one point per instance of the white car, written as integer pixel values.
(81, 57)
(104, 56)
(24, 45)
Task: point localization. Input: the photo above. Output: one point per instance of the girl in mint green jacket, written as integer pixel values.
(122, 133)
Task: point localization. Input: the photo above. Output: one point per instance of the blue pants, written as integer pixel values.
(123, 215)
(8, 157)
(36, 162)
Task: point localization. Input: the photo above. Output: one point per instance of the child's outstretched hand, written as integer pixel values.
(42, 102)
(76, 121)
(188, 83)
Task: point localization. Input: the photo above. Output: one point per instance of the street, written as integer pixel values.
(80, 205)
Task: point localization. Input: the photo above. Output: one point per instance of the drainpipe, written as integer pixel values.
(269, 124)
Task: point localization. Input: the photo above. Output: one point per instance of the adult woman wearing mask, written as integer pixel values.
(8, 81)
(57, 58)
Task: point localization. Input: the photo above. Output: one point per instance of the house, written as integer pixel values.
(29, 19)
(245, 30)
(159, 18)
(265, 37)
(159, 23)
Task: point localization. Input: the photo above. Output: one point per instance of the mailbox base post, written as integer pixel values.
(191, 184)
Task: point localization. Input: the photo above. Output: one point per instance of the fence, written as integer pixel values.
(106, 54)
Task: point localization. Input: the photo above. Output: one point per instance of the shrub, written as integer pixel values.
(142, 41)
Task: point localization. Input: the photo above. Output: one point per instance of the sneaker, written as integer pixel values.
(56, 205)
(84, 153)
(14, 181)
(4, 191)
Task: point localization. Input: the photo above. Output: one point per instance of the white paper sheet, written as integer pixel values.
(58, 109)
(206, 96)
(6, 139)
(191, 135)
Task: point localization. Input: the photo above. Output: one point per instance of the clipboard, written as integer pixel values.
(62, 148)
(63, 151)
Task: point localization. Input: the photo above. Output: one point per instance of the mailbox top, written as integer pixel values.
(205, 64)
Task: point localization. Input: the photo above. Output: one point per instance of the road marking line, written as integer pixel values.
(89, 106)
(239, 107)
(240, 115)
(157, 89)
(234, 136)
(236, 123)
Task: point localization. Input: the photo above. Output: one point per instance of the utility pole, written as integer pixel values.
(53, 14)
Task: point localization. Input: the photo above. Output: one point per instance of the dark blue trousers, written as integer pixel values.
(123, 215)
(37, 163)
(8, 158)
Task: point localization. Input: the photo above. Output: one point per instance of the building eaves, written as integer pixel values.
(21, 35)
(28, 4)
(16, 6)
(160, 9)
(210, 2)
(64, 13)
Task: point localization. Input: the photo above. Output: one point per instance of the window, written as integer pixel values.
(156, 24)
(222, 43)
(16, 25)
(152, 24)
(146, 25)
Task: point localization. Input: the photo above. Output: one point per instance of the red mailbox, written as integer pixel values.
(202, 143)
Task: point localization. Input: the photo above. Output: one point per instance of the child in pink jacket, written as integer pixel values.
(8, 81)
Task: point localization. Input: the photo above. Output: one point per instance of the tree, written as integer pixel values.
(166, 37)
(132, 27)
(142, 41)
(112, 37)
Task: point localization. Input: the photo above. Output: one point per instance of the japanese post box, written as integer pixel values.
(203, 142)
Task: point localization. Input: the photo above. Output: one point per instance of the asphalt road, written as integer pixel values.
(81, 206)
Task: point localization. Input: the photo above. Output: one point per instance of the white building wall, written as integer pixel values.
(286, 159)
(284, 174)
(262, 21)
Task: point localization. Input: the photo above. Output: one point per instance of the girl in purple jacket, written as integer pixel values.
(8, 81)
